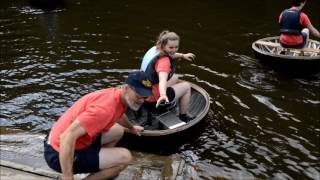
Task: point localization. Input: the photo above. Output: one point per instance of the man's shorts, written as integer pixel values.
(297, 46)
(151, 106)
(84, 161)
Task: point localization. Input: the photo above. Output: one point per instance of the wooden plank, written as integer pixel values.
(277, 45)
(26, 169)
(10, 173)
(30, 164)
(35, 166)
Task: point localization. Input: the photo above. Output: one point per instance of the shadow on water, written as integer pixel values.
(48, 5)
(299, 70)
(292, 69)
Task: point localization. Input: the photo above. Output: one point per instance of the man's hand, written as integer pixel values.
(137, 130)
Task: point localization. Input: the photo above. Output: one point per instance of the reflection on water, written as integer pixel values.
(262, 124)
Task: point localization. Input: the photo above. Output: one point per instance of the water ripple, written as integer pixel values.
(210, 71)
(282, 113)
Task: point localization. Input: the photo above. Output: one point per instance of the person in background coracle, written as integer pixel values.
(159, 63)
(83, 139)
(295, 26)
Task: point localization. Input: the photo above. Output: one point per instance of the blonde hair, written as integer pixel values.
(164, 37)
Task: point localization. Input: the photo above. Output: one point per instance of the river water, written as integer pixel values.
(263, 124)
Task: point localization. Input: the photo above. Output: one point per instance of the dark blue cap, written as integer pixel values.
(139, 83)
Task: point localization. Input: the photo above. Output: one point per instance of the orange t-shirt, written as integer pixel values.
(96, 111)
(162, 65)
(290, 39)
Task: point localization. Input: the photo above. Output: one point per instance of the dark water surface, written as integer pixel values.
(264, 124)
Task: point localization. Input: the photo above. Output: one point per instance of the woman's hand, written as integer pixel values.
(161, 99)
(189, 56)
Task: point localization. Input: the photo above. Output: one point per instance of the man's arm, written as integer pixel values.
(313, 31)
(124, 121)
(67, 146)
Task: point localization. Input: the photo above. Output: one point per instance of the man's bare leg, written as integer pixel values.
(113, 136)
(111, 162)
(105, 174)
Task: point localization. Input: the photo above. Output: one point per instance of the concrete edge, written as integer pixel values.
(28, 169)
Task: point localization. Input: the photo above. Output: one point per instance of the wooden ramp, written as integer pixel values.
(20, 166)
(21, 158)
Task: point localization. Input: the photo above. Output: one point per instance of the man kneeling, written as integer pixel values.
(83, 139)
